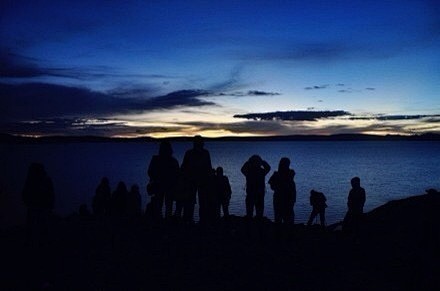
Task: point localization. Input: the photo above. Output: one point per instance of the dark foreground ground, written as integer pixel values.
(397, 250)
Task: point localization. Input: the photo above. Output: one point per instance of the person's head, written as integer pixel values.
(165, 148)
(198, 142)
(255, 160)
(121, 187)
(284, 164)
(219, 171)
(36, 171)
(313, 192)
(355, 182)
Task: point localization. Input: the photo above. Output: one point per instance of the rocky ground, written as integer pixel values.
(396, 250)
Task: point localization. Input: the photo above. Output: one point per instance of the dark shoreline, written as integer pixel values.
(13, 139)
(396, 250)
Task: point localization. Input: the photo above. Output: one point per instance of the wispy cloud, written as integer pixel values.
(17, 66)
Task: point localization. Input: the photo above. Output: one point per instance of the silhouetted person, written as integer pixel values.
(196, 168)
(317, 200)
(134, 201)
(101, 203)
(255, 171)
(164, 173)
(119, 200)
(355, 203)
(284, 196)
(212, 210)
(83, 211)
(39, 198)
(223, 191)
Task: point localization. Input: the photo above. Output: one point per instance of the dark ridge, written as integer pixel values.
(8, 138)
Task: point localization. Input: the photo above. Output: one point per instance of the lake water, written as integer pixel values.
(388, 170)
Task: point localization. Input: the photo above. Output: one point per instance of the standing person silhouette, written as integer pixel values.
(196, 169)
(164, 173)
(355, 203)
(39, 198)
(222, 187)
(255, 170)
(284, 196)
(101, 203)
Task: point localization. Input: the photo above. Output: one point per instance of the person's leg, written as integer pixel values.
(259, 205)
(188, 211)
(225, 206)
(250, 202)
(168, 205)
(312, 216)
(322, 217)
(276, 210)
(179, 209)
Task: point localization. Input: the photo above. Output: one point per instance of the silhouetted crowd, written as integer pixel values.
(178, 188)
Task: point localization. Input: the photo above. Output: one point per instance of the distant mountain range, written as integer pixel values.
(8, 138)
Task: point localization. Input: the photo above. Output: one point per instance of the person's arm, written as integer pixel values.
(208, 161)
(152, 168)
(245, 169)
(228, 187)
(266, 167)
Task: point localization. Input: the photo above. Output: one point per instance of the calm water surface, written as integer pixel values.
(388, 170)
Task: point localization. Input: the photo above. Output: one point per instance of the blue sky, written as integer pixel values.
(170, 68)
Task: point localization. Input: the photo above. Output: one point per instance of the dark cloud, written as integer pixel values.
(316, 87)
(40, 100)
(249, 93)
(80, 127)
(180, 98)
(395, 117)
(370, 88)
(293, 115)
